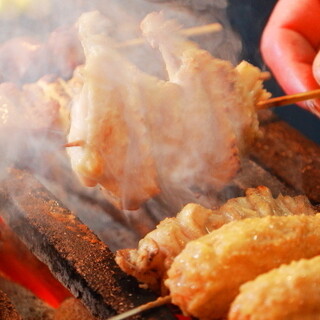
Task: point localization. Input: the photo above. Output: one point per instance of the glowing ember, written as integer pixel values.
(20, 266)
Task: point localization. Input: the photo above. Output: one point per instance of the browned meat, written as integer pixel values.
(206, 276)
(38, 106)
(291, 292)
(156, 251)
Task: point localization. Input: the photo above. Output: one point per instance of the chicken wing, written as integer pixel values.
(211, 87)
(156, 251)
(205, 277)
(291, 292)
(142, 134)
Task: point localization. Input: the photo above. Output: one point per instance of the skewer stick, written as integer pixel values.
(153, 304)
(289, 99)
(77, 143)
(208, 28)
(265, 75)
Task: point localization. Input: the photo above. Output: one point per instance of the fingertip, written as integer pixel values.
(316, 67)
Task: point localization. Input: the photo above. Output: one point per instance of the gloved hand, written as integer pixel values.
(290, 46)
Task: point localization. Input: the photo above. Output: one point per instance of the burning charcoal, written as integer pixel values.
(25, 303)
(7, 310)
(72, 252)
(21, 266)
(72, 309)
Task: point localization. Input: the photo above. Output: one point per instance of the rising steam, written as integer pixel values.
(40, 42)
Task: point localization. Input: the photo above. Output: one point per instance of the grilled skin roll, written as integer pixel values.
(290, 292)
(156, 251)
(205, 277)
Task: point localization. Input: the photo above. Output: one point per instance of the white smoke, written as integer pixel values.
(47, 24)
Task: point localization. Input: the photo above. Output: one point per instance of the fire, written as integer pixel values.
(20, 266)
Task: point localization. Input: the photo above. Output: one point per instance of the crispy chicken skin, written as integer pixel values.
(150, 262)
(205, 277)
(38, 106)
(156, 251)
(108, 117)
(142, 134)
(231, 93)
(290, 292)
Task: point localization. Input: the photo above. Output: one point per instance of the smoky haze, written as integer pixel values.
(39, 20)
(42, 27)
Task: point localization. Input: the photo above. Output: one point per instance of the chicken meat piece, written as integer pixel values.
(291, 292)
(61, 92)
(34, 119)
(151, 260)
(26, 60)
(141, 134)
(109, 115)
(39, 106)
(208, 83)
(26, 108)
(206, 276)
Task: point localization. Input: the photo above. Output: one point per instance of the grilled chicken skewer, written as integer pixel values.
(156, 251)
(236, 253)
(133, 124)
(292, 291)
(137, 136)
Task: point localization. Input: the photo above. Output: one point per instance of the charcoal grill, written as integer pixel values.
(40, 209)
(282, 159)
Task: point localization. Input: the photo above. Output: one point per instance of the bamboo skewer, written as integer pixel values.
(288, 99)
(194, 31)
(147, 306)
(265, 75)
(77, 143)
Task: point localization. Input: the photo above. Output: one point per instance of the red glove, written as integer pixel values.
(290, 47)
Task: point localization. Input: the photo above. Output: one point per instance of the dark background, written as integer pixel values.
(248, 18)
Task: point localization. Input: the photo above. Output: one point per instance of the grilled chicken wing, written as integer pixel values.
(156, 251)
(39, 106)
(291, 292)
(205, 277)
(142, 134)
(212, 87)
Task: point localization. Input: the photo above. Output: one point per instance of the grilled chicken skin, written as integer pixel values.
(141, 134)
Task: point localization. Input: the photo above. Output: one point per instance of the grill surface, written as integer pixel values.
(282, 159)
(72, 252)
(22, 304)
(7, 310)
(290, 157)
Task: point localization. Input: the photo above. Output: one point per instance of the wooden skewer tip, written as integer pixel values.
(147, 306)
(288, 99)
(265, 75)
(205, 29)
(77, 143)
